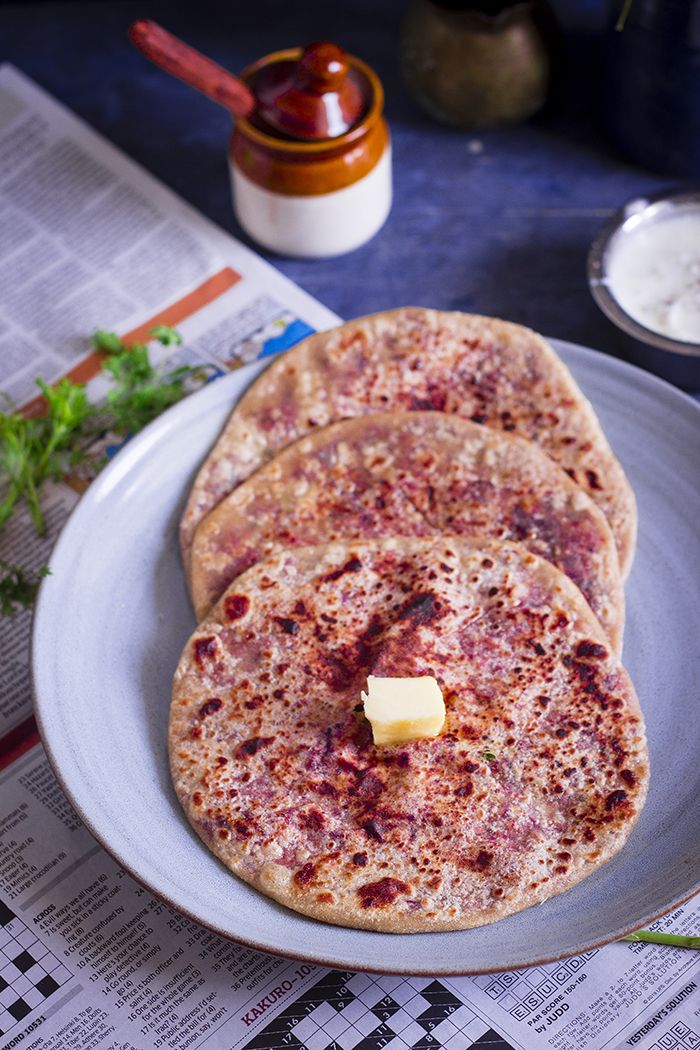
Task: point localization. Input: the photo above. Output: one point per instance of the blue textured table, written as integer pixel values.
(497, 223)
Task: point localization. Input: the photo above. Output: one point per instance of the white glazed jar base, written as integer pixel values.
(318, 226)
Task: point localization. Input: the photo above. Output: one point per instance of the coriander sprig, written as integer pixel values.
(40, 447)
(47, 446)
(34, 449)
(18, 587)
(140, 391)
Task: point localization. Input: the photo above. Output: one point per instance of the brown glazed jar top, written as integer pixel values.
(317, 97)
(307, 167)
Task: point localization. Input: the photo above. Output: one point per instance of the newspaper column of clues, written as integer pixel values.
(92, 959)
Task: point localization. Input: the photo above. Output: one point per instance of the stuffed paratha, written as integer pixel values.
(497, 374)
(410, 474)
(535, 781)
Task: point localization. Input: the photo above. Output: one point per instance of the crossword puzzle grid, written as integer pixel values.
(679, 1037)
(522, 992)
(29, 972)
(354, 1011)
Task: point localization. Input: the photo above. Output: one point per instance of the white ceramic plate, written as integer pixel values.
(113, 617)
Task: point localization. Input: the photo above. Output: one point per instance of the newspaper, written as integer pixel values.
(90, 240)
(89, 958)
(99, 962)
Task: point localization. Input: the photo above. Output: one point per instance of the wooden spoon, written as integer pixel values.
(191, 66)
(312, 98)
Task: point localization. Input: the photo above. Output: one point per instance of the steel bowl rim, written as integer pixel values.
(596, 268)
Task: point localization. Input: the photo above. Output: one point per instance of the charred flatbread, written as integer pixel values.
(535, 781)
(501, 375)
(410, 474)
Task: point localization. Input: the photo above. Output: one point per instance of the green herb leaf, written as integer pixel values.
(35, 449)
(166, 335)
(107, 342)
(140, 391)
(488, 756)
(18, 587)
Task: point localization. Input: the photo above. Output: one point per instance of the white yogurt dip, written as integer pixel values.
(654, 274)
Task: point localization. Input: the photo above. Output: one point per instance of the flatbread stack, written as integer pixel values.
(413, 493)
(410, 474)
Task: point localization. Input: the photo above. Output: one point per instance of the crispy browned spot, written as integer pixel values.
(306, 874)
(252, 746)
(236, 606)
(204, 649)
(382, 893)
(615, 799)
(210, 707)
(587, 648)
(352, 565)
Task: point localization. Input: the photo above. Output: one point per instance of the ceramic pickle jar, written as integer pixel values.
(317, 197)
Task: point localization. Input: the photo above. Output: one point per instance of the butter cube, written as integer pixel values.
(403, 709)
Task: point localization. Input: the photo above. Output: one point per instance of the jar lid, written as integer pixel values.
(310, 94)
(315, 96)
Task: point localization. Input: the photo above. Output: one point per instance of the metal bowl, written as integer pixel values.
(673, 359)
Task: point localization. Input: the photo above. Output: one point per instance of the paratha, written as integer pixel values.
(536, 780)
(495, 373)
(410, 474)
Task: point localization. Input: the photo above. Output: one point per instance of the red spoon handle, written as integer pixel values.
(182, 61)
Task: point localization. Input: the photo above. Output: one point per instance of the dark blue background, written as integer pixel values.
(503, 231)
